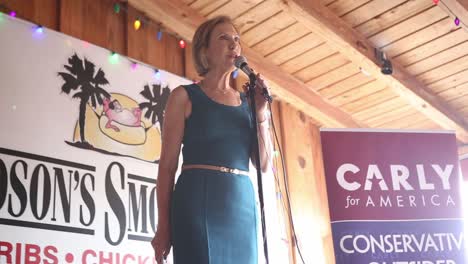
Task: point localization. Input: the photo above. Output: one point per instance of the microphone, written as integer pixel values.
(241, 63)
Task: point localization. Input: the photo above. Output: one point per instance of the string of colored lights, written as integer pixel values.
(39, 31)
(457, 21)
(141, 20)
(114, 57)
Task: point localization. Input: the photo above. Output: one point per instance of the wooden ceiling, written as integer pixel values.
(319, 56)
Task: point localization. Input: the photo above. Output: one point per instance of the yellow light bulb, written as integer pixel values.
(137, 24)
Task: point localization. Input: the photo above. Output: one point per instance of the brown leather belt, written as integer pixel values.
(216, 168)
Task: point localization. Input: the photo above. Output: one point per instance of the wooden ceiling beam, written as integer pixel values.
(180, 18)
(359, 50)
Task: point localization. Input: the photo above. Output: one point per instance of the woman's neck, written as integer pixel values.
(217, 81)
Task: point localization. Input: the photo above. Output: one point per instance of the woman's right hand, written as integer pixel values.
(162, 244)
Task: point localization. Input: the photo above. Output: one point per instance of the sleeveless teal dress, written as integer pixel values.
(213, 214)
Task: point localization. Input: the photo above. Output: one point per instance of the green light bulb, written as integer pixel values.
(116, 8)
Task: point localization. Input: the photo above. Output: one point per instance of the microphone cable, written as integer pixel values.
(286, 185)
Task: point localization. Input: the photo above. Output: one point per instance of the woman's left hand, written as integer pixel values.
(260, 102)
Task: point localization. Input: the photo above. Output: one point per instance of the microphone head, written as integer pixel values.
(239, 61)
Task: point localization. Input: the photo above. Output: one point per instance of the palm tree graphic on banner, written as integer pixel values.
(112, 123)
(81, 78)
(156, 104)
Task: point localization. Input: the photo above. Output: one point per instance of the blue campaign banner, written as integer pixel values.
(394, 196)
(396, 242)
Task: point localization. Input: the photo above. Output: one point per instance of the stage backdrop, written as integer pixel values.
(395, 196)
(79, 147)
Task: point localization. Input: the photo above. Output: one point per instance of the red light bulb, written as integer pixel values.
(182, 44)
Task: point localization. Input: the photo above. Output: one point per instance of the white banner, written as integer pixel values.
(71, 195)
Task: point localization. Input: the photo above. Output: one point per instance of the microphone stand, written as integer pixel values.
(253, 79)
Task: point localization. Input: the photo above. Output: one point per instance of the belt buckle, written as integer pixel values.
(229, 170)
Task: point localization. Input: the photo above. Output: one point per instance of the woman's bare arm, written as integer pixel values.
(173, 131)
(265, 143)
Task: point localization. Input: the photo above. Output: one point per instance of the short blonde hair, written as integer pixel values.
(201, 39)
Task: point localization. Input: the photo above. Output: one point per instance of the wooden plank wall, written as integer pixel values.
(42, 12)
(283, 204)
(95, 22)
(306, 180)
